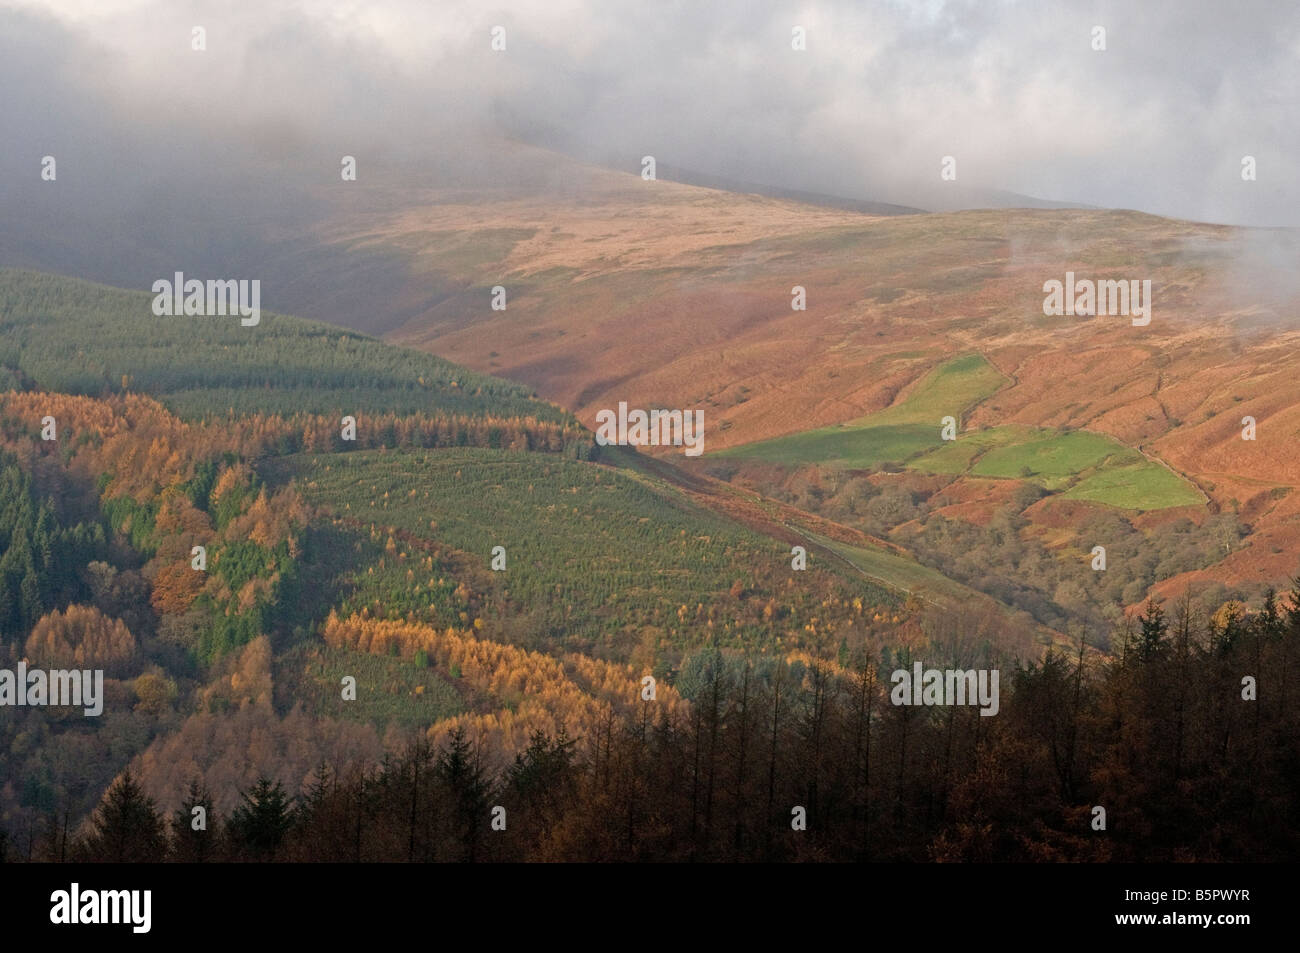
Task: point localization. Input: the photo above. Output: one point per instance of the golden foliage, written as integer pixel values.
(155, 693)
(246, 680)
(81, 637)
(175, 587)
(536, 691)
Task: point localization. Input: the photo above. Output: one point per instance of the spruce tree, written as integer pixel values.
(127, 826)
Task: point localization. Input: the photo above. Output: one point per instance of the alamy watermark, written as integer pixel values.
(656, 428)
(1089, 297)
(76, 906)
(194, 297)
(930, 686)
(56, 687)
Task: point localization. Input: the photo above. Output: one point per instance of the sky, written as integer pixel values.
(1159, 120)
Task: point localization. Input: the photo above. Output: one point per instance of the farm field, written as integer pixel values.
(1138, 486)
(1080, 464)
(897, 433)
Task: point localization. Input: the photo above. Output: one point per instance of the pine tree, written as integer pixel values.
(127, 826)
(260, 823)
(1291, 620)
(1228, 627)
(29, 600)
(1151, 640)
(467, 788)
(190, 845)
(1269, 622)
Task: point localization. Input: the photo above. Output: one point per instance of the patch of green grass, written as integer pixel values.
(897, 433)
(949, 390)
(1140, 486)
(1051, 459)
(898, 572)
(863, 448)
(957, 456)
(1078, 464)
(1084, 465)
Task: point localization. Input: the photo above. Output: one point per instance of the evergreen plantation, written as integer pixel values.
(75, 337)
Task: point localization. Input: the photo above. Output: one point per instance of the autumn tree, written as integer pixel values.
(82, 637)
(1151, 638)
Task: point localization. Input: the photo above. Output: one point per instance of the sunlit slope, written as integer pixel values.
(671, 296)
(591, 557)
(1079, 464)
(900, 432)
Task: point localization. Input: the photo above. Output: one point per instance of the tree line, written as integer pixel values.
(1186, 739)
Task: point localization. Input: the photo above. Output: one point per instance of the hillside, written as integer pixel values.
(349, 630)
(75, 337)
(326, 556)
(668, 295)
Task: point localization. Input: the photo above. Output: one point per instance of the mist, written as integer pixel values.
(172, 158)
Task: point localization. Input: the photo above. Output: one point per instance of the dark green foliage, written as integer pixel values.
(466, 789)
(200, 366)
(189, 845)
(259, 825)
(41, 560)
(1151, 640)
(127, 826)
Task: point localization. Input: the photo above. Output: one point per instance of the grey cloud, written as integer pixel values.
(1157, 122)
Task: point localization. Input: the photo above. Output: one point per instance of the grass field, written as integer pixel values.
(1141, 486)
(1078, 464)
(958, 456)
(895, 434)
(898, 571)
(1075, 464)
(1051, 458)
(951, 389)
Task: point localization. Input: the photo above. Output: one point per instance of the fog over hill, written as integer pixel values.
(1159, 120)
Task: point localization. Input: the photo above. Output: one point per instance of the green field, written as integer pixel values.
(900, 571)
(1142, 486)
(895, 434)
(958, 456)
(861, 448)
(951, 389)
(1078, 464)
(1051, 459)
